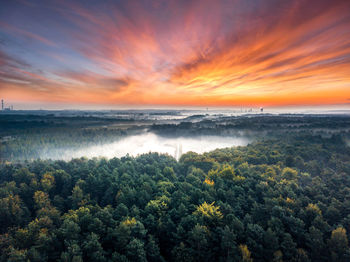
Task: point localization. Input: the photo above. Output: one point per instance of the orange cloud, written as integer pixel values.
(209, 53)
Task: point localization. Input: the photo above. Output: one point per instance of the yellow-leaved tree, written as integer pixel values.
(208, 210)
(338, 244)
(245, 253)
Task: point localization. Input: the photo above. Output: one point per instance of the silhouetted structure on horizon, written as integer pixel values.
(3, 108)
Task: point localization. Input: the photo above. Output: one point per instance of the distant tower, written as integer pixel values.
(2, 104)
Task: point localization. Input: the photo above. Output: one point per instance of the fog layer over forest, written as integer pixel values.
(148, 142)
(65, 135)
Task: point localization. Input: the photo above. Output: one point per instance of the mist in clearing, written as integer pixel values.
(150, 142)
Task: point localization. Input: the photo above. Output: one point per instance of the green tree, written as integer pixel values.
(288, 247)
(135, 250)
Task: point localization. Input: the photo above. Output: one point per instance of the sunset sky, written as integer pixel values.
(175, 53)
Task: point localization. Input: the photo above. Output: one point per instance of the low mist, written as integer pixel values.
(149, 142)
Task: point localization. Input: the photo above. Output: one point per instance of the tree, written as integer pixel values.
(302, 256)
(47, 182)
(278, 256)
(11, 212)
(92, 248)
(270, 243)
(289, 173)
(73, 252)
(227, 172)
(16, 255)
(338, 245)
(246, 256)
(152, 250)
(288, 247)
(208, 210)
(135, 250)
(181, 253)
(199, 242)
(41, 200)
(228, 244)
(77, 196)
(314, 241)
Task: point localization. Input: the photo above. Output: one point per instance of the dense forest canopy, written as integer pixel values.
(284, 197)
(269, 201)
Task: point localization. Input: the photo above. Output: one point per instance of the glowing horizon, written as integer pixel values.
(175, 53)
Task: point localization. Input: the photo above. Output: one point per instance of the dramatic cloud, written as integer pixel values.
(223, 53)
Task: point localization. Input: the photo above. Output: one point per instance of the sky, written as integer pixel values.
(175, 53)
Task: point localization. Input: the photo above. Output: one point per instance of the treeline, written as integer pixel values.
(34, 144)
(269, 201)
(28, 137)
(256, 125)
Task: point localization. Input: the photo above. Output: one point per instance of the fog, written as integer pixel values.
(149, 142)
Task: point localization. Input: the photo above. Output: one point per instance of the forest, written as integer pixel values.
(276, 199)
(29, 135)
